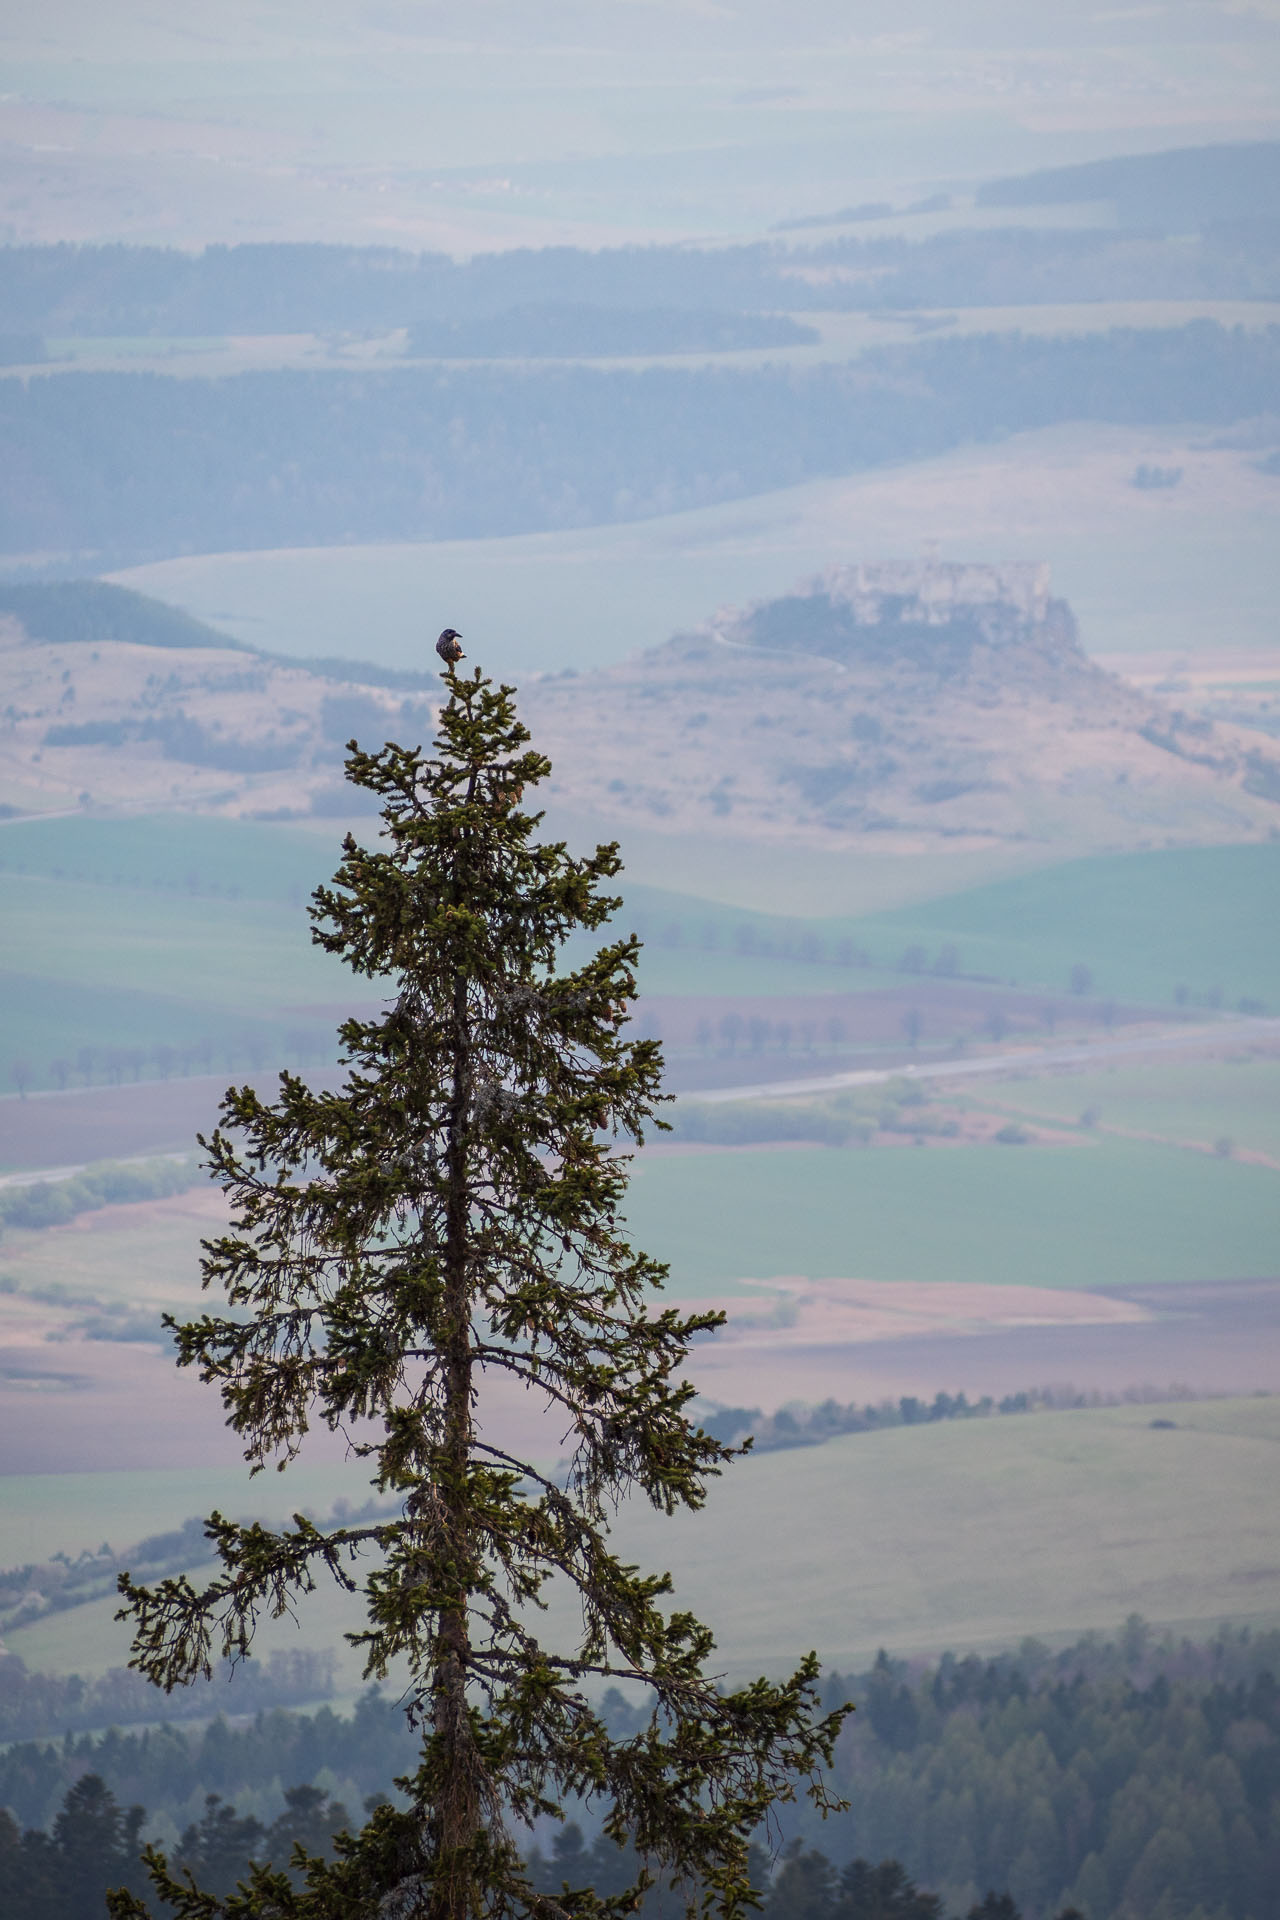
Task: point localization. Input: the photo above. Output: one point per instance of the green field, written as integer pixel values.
(1108, 1212)
(46, 1020)
(120, 934)
(1144, 923)
(184, 856)
(252, 860)
(1206, 919)
(185, 932)
(1190, 569)
(241, 954)
(800, 881)
(174, 854)
(145, 904)
(87, 964)
(1111, 1214)
(1202, 1100)
(161, 931)
(966, 1535)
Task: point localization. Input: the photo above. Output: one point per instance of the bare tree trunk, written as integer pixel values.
(458, 1816)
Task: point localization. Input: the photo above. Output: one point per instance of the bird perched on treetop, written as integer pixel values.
(447, 647)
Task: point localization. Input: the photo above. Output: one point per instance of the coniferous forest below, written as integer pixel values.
(1125, 1776)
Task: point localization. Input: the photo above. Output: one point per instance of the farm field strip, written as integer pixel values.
(98, 959)
(1120, 1213)
(219, 953)
(1108, 1212)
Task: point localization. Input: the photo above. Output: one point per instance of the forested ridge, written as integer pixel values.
(127, 466)
(1179, 188)
(1129, 1778)
(1225, 248)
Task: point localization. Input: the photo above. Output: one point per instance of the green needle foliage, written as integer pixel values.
(448, 1218)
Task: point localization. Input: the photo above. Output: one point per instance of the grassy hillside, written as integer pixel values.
(241, 955)
(1177, 189)
(978, 1534)
(45, 1021)
(969, 1535)
(1207, 918)
(88, 612)
(175, 854)
(185, 860)
(129, 969)
(130, 961)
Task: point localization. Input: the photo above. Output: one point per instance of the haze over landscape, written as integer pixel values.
(856, 435)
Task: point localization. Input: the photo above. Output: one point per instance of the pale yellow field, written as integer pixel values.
(965, 1535)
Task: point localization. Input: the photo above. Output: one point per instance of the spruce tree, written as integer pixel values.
(451, 1215)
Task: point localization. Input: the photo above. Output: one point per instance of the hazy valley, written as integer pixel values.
(883, 547)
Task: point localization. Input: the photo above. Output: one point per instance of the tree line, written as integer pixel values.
(94, 1844)
(112, 1066)
(798, 1425)
(50, 1203)
(562, 332)
(1128, 1776)
(134, 465)
(32, 1702)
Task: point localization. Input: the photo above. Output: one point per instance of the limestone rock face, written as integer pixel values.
(1003, 604)
(932, 617)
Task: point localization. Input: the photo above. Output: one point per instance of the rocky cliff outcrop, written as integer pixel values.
(915, 701)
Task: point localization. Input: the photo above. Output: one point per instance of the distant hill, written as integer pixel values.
(1184, 187)
(89, 612)
(74, 291)
(222, 728)
(126, 467)
(918, 703)
(94, 612)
